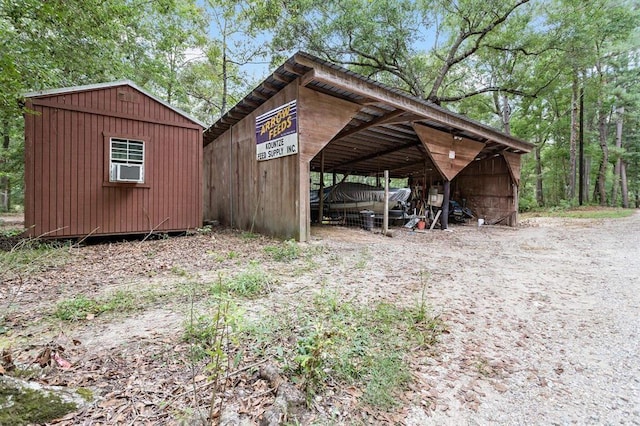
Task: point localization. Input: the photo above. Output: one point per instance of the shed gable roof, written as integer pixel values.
(118, 83)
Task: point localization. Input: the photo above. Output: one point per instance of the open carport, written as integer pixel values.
(311, 115)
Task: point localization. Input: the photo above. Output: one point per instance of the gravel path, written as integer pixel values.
(544, 325)
(544, 320)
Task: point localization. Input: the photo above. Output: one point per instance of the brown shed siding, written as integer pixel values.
(68, 192)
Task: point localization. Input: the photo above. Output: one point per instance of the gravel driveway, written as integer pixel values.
(545, 325)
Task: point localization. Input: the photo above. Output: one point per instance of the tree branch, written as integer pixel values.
(454, 58)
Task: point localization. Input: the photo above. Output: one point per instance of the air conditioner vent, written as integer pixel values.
(127, 173)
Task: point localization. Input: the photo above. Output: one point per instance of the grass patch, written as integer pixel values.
(588, 212)
(388, 374)
(344, 343)
(287, 250)
(82, 307)
(32, 257)
(250, 283)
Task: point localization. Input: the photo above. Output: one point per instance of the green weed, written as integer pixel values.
(387, 375)
(76, 309)
(81, 306)
(345, 343)
(176, 270)
(249, 283)
(288, 250)
(363, 260)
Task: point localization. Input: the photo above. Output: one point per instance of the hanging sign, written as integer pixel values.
(277, 132)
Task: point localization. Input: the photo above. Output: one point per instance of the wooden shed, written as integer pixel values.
(109, 159)
(311, 115)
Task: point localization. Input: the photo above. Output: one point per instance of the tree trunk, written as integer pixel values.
(539, 194)
(225, 83)
(506, 115)
(618, 166)
(573, 138)
(5, 183)
(602, 172)
(624, 185)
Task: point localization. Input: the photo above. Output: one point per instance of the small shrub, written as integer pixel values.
(312, 352)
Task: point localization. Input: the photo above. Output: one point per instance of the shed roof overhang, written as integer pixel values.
(383, 134)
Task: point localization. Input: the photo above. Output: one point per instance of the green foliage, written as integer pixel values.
(286, 251)
(250, 283)
(347, 343)
(81, 307)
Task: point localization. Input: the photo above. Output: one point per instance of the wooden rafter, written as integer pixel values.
(376, 154)
(366, 125)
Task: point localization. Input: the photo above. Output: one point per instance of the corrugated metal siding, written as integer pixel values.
(66, 172)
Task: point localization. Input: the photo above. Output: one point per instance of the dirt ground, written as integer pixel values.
(542, 320)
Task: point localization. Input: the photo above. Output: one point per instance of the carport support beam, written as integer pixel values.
(321, 190)
(385, 220)
(444, 217)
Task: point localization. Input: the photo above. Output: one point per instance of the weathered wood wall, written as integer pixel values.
(68, 192)
(270, 197)
(239, 191)
(489, 190)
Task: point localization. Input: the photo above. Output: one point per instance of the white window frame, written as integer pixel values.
(132, 154)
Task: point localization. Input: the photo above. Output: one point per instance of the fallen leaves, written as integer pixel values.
(51, 352)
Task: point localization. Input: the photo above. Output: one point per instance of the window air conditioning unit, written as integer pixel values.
(127, 173)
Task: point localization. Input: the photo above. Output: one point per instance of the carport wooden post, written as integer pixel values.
(444, 217)
(321, 190)
(385, 220)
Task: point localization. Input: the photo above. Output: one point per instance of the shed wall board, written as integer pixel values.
(488, 189)
(66, 167)
(263, 195)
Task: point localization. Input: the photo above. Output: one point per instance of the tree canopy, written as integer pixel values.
(519, 65)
